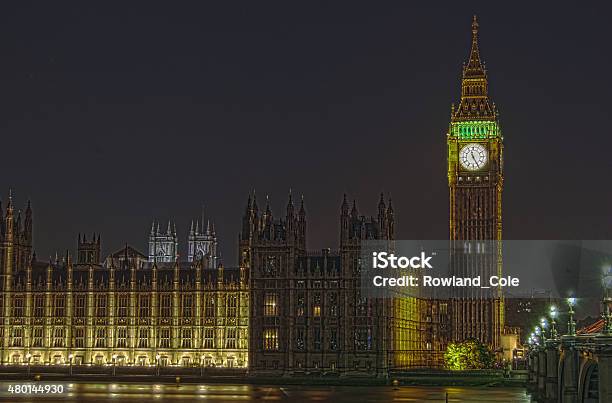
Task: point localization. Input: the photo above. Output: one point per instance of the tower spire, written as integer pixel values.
(474, 67)
(475, 103)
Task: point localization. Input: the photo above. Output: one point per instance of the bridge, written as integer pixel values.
(573, 368)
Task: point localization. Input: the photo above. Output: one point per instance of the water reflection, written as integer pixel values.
(115, 392)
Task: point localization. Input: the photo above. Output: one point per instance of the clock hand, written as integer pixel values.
(473, 158)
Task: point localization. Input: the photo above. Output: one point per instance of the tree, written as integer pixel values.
(468, 354)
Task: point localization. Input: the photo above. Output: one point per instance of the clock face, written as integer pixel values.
(473, 156)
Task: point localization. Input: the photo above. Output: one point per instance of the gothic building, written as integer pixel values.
(285, 310)
(475, 180)
(201, 243)
(126, 310)
(163, 246)
(308, 314)
(15, 236)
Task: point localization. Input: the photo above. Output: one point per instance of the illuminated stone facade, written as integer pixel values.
(127, 311)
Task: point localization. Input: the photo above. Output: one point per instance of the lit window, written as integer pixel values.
(17, 337)
(209, 337)
(39, 306)
(186, 338)
(143, 304)
(270, 339)
(166, 305)
(78, 334)
(122, 305)
(18, 306)
(59, 306)
(230, 337)
(187, 306)
(122, 337)
(101, 306)
(164, 339)
(270, 304)
(143, 337)
(37, 337)
(316, 308)
(58, 337)
(100, 337)
(210, 307)
(232, 306)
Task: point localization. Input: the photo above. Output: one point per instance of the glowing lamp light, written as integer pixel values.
(544, 323)
(553, 312)
(571, 301)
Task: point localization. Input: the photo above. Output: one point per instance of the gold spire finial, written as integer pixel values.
(475, 25)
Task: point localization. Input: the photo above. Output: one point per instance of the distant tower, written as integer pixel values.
(202, 242)
(163, 247)
(15, 238)
(88, 251)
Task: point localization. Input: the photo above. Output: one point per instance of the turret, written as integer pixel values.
(291, 235)
(390, 221)
(88, 251)
(344, 220)
(301, 224)
(9, 244)
(382, 216)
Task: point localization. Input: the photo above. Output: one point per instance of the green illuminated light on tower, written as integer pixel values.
(473, 130)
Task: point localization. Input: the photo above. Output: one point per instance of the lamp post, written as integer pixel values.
(28, 358)
(606, 281)
(202, 366)
(114, 364)
(157, 357)
(544, 325)
(70, 357)
(538, 332)
(571, 324)
(553, 315)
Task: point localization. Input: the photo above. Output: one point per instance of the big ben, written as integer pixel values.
(475, 180)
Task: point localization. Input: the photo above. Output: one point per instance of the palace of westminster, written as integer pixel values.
(283, 310)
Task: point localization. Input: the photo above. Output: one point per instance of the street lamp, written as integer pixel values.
(606, 281)
(28, 358)
(70, 357)
(571, 325)
(114, 362)
(553, 315)
(544, 325)
(202, 365)
(157, 357)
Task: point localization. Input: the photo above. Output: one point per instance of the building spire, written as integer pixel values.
(475, 103)
(9, 207)
(474, 67)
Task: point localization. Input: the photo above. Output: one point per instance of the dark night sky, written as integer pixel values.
(113, 114)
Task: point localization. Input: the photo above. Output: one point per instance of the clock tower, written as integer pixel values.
(475, 180)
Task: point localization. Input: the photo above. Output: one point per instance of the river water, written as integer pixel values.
(146, 393)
